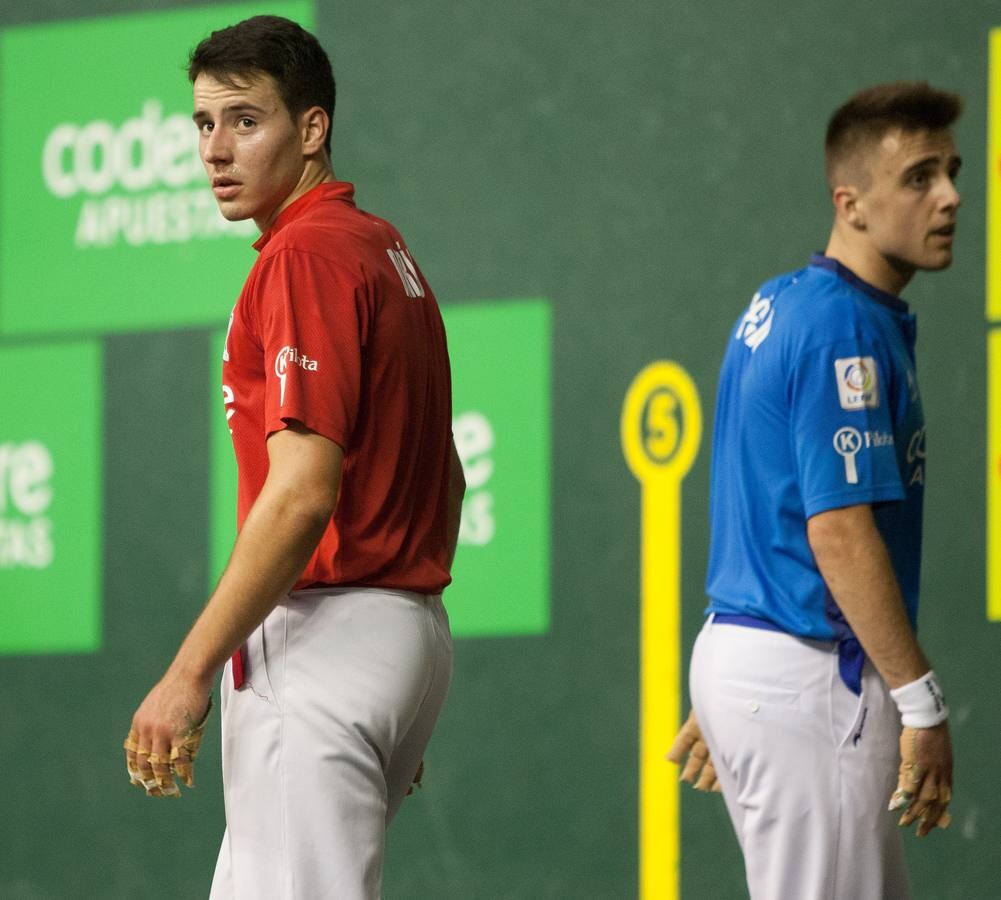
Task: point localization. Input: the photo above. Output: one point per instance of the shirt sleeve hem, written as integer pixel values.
(324, 429)
(840, 499)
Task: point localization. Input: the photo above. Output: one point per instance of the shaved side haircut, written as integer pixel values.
(865, 119)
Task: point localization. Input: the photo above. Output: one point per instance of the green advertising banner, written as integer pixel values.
(500, 355)
(107, 222)
(50, 499)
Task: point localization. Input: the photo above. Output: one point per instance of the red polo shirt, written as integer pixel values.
(337, 328)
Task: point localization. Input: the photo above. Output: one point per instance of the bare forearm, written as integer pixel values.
(856, 566)
(283, 528)
(276, 542)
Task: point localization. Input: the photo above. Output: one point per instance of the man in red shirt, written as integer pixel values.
(338, 397)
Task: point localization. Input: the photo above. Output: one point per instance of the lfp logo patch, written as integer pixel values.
(103, 190)
(858, 382)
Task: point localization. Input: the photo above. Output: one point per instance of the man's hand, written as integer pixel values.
(924, 788)
(165, 736)
(699, 770)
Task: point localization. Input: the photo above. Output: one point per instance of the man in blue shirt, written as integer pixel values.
(814, 698)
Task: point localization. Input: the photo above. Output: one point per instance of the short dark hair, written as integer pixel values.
(869, 114)
(279, 47)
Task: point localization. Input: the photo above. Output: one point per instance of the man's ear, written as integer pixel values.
(849, 205)
(314, 125)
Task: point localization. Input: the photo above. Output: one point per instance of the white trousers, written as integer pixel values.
(807, 767)
(343, 689)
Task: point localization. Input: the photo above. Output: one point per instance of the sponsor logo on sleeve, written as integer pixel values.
(878, 439)
(848, 442)
(290, 356)
(756, 324)
(858, 382)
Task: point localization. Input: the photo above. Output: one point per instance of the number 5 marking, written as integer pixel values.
(661, 428)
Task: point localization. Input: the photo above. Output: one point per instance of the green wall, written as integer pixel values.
(643, 167)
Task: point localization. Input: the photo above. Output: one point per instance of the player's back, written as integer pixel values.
(356, 308)
(776, 459)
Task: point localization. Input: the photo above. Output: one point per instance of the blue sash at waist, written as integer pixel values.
(851, 656)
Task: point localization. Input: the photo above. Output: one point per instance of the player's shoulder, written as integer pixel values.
(340, 237)
(313, 232)
(812, 293)
(799, 308)
(346, 226)
(756, 323)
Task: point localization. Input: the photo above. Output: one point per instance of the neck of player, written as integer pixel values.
(851, 249)
(316, 170)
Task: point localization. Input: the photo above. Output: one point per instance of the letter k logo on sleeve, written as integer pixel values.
(848, 442)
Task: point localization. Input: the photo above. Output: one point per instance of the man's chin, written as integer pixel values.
(930, 261)
(939, 262)
(233, 213)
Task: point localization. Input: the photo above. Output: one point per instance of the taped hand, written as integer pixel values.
(924, 785)
(154, 772)
(698, 770)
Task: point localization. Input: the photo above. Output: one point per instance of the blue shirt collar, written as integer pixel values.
(846, 274)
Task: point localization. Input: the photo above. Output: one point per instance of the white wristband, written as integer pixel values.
(921, 703)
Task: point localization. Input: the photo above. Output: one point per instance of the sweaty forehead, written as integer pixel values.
(257, 89)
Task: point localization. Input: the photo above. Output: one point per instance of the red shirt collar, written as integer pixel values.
(329, 190)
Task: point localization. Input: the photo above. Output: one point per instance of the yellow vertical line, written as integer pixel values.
(994, 475)
(993, 310)
(994, 177)
(660, 689)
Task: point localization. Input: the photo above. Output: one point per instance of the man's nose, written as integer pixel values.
(216, 147)
(950, 195)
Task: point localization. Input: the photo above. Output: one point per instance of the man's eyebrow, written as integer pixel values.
(232, 109)
(922, 163)
(933, 159)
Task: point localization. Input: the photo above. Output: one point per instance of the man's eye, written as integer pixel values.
(919, 180)
(246, 123)
(205, 128)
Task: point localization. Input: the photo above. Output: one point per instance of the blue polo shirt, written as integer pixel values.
(818, 408)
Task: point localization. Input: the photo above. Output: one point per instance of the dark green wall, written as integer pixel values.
(644, 166)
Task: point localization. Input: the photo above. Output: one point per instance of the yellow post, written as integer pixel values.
(661, 428)
(994, 475)
(994, 329)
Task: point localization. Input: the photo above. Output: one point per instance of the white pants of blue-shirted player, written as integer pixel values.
(806, 766)
(343, 689)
